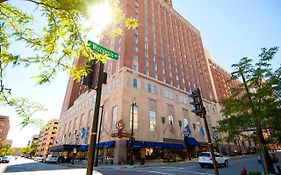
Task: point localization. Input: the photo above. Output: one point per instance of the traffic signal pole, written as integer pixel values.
(93, 137)
(210, 144)
(200, 111)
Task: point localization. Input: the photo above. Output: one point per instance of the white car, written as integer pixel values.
(205, 159)
(52, 158)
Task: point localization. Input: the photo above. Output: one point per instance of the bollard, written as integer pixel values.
(243, 171)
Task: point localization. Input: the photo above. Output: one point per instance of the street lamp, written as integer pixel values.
(132, 139)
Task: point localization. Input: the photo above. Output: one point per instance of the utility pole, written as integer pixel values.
(93, 136)
(201, 112)
(97, 150)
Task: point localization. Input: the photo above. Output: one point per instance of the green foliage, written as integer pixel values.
(255, 101)
(30, 150)
(254, 173)
(61, 38)
(5, 149)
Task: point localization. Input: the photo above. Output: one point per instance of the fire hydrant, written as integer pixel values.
(243, 171)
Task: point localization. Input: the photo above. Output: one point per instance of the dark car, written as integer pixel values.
(5, 159)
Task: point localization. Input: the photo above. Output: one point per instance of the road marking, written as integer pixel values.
(159, 172)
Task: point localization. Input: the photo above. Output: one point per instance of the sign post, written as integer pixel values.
(115, 56)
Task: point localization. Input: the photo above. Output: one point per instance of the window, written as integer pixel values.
(114, 117)
(155, 89)
(105, 118)
(135, 117)
(185, 122)
(135, 68)
(146, 72)
(136, 49)
(152, 121)
(136, 32)
(136, 40)
(171, 119)
(146, 64)
(135, 83)
(148, 87)
(135, 58)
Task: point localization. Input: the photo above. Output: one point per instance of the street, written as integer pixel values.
(26, 166)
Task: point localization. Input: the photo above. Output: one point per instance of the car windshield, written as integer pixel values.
(204, 155)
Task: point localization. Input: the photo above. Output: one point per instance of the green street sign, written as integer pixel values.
(102, 50)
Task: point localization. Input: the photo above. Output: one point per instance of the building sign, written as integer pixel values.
(120, 124)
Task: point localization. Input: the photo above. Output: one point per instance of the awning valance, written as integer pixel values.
(175, 145)
(190, 141)
(109, 144)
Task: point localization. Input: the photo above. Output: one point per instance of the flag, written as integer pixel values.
(84, 133)
(201, 131)
(186, 130)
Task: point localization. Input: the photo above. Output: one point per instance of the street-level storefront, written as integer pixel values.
(141, 150)
(80, 152)
(191, 146)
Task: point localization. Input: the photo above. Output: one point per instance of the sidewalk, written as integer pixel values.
(83, 164)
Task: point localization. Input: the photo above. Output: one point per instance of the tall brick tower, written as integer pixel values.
(160, 62)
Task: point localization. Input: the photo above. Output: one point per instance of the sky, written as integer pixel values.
(230, 30)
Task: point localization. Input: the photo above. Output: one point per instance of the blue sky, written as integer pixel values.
(230, 30)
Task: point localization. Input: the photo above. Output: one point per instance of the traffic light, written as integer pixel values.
(90, 78)
(197, 102)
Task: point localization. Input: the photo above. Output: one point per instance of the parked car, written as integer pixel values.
(205, 159)
(5, 159)
(52, 158)
(38, 159)
(273, 157)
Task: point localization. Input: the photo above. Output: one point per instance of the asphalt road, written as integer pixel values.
(25, 166)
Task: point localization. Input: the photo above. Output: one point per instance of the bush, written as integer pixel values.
(254, 173)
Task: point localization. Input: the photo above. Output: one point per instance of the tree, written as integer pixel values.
(60, 38)
(5, 149)
(30, 150)
(255, 104)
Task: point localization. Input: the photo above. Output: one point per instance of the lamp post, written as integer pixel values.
(132, 139)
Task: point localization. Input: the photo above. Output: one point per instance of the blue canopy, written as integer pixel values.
(83, 147)
(155, 145)
(137, 144)
(62, 148)
(109, 144)
(175, 145)
(190, 141)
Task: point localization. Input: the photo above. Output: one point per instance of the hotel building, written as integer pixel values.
(160, 63)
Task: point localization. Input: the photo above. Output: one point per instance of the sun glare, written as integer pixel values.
(100, 15)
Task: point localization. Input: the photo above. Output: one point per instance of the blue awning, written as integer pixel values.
(175, 145)
(137, 144)
(155, 145)
(62, 148)
(101, 144)
(83, 147)
(109, 144)
(190, 141)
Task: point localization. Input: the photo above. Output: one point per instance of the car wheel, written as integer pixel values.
(226, 163)
(202, 166)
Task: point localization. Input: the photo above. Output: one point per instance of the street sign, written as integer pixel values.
(102, 50)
